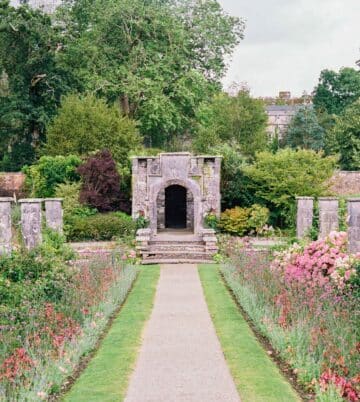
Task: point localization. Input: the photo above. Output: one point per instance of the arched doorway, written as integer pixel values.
(175, 207)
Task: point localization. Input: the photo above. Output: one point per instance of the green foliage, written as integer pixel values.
(157, 59)
(29, 48)
(70, 193)
(40, 273)
(101, 227)
(278, 178)
(336, 91)
(238, 119)
(43, 176)
(258, 218)
(240, 221)
(235, 221)
(141, 222)
(305, 131)
(85, 124)
(211, 221)
(347, 135)
(235, 185)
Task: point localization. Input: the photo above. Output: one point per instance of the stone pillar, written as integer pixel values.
(328, 216)
(31, 221)
(353, 208)
(5, 225)
(304, 217)
(54, 214)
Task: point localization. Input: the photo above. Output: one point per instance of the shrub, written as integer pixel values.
(85, 124)
(235, 221)
(347, 135)
(70, 193)
(305, 131)
(278, 178)
(101, 183)
(241, 221)
(236, 189)
(101, 227)
(259, 217)
(43, 177)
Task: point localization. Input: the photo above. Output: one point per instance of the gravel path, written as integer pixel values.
(180, 358)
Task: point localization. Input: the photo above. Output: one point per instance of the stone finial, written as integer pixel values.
(353, 208)
(328, 216)
(31, 221)
(54, 214)
(5, 225)
(304, 217)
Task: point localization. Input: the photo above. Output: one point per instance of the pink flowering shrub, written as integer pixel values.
(318, 264)
(305, 300)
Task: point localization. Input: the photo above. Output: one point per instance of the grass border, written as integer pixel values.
(256, 376)
(107, 375)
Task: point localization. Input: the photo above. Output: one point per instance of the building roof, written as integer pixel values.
(282, 108)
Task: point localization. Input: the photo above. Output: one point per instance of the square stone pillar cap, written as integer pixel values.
(353, 199)
(6, 199)
(30, 200)
(304, 198)
(328, 198)
(54, 199)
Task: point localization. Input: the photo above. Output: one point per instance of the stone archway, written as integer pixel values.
(175, 208)
(193, 204)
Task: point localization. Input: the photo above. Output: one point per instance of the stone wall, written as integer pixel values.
(345, 183)
(200, 175)
(12, 183)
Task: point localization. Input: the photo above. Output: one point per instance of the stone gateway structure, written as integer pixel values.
(175, 191)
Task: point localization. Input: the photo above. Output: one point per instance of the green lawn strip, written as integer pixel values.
(256, 376)
(107, 375)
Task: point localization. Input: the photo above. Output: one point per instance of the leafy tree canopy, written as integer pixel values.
(278, 178)
(157, 59)
(239, 119)
(346, 133)
(337, 90)
(85, 124)
(305, 131)
(32, 81)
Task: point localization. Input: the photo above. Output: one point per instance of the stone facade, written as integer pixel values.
(199, 175)
(328, 216)
(279, 118)
(304, 217)
(5, 225)
(31, 221)
(353, 209)
(54, 214)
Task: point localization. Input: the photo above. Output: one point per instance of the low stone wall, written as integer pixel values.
(345, 183)
(12, 183)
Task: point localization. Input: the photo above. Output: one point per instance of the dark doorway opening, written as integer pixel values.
(175, 207)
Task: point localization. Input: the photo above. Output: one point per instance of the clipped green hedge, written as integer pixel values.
(104, 226)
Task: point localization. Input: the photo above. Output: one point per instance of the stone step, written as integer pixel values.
(177, 253)
(176, 261)
(159, 248)
(176, 243)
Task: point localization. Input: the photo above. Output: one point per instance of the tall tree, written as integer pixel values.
(305, 131)
(336, 90)
(156, 59)
(347, 135)
(238, 119)
(85, 124)
(34, 82)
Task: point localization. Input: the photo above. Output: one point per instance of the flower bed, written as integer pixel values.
(305, 301)
(52, 313)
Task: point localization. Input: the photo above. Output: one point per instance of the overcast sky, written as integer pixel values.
(288, 42)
